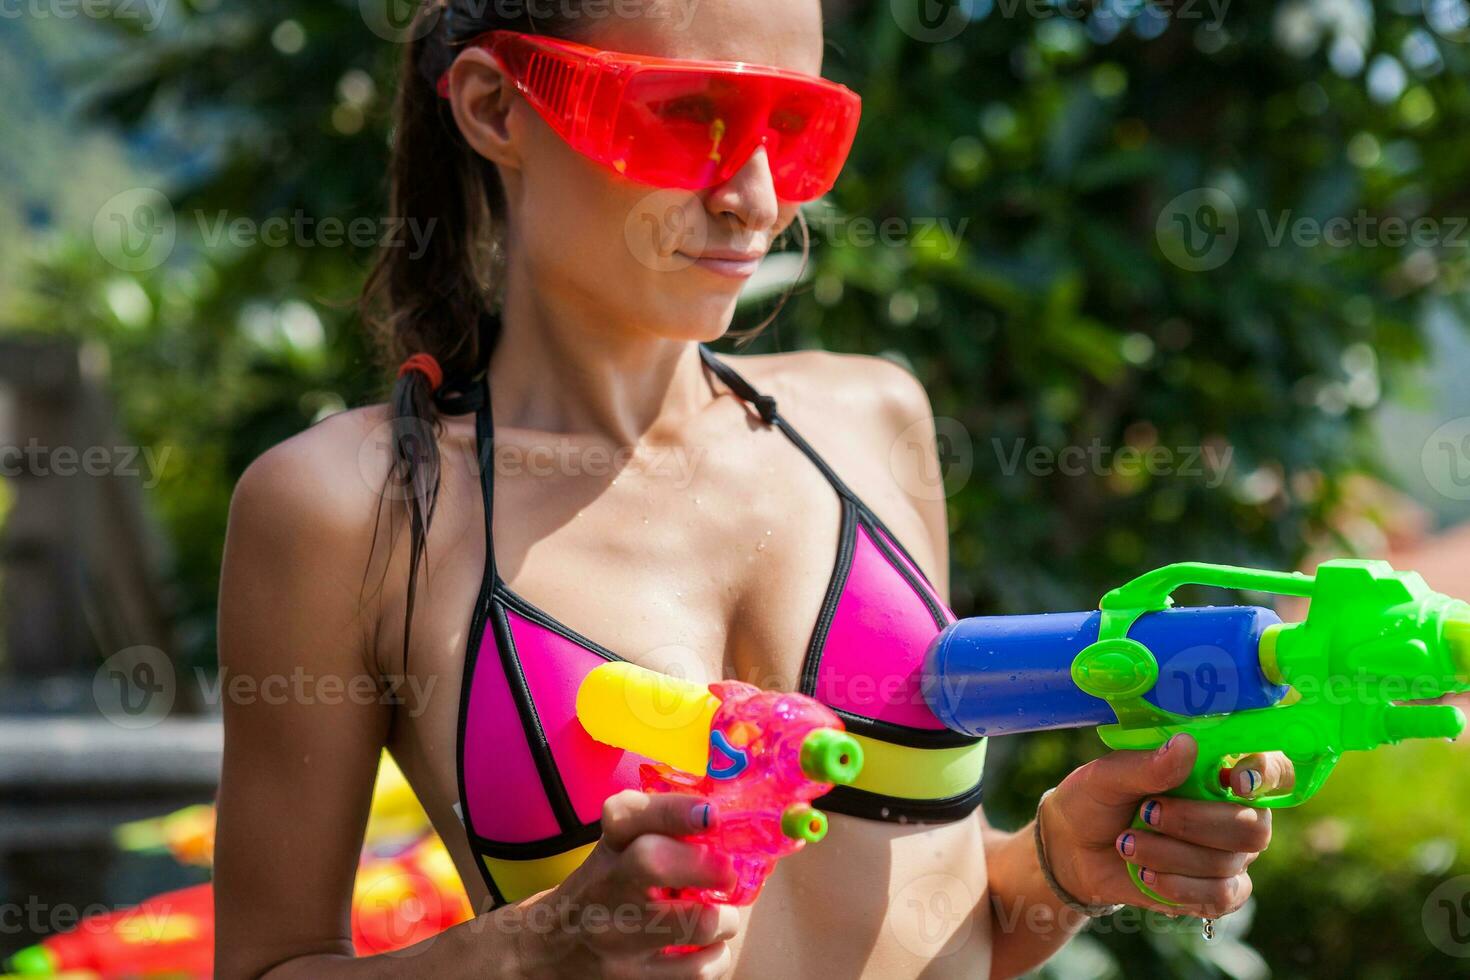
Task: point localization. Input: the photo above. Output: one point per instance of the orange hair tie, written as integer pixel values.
(426, 365)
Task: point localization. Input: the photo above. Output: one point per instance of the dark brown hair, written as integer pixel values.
(440, 301)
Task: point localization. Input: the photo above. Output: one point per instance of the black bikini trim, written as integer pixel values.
(483, 434)
(846, 547)
(541, 617)
(546, 847)
(881, 537)
(914, 738)
(556, 790)
(875, 806)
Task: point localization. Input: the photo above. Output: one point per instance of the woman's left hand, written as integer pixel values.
(1195, 852)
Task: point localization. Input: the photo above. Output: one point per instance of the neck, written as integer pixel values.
(565, 368)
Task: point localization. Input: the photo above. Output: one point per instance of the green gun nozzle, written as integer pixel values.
(33, 961)
(1457, 636)
(1403, 721)
(802, 822)
(829, 755)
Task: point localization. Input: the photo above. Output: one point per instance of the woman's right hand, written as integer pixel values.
(603, 920)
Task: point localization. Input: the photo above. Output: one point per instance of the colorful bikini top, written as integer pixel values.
(532, 782)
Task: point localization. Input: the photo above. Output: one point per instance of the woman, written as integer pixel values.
(649, 501)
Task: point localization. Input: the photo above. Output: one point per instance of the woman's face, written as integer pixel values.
(666, 261)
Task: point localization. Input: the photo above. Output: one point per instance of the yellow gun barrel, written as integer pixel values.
(643, 711)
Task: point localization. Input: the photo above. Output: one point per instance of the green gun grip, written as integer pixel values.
(1133, 870)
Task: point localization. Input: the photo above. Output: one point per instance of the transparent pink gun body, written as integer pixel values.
(770, 754)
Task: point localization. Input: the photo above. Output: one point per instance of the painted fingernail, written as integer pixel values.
(1126, 845)
(699, 815)
(1150, 813)
(1247, 781)
(1147, 875)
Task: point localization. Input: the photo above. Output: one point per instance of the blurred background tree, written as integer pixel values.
(1089, 252)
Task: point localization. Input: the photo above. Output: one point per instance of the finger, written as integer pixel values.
(1259, 774)
(1166, 854)
(630, 813)
(710, 963)
(656, 861)
(1224, 826)
(697, 923)
(1204, 897)
(1119, 778)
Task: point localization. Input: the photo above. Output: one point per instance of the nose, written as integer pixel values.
(749, 195)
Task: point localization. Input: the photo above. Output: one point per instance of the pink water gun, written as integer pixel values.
(760, 757)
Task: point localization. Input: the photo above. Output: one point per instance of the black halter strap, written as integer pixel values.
(764, 404)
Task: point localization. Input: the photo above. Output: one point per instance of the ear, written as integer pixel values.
(480, 96)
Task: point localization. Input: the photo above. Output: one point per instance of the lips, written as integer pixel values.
(729, 263)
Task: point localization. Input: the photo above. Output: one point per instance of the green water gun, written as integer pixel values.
(1372, 637)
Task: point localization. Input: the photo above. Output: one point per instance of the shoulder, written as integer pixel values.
(317, 487)
(879, 393)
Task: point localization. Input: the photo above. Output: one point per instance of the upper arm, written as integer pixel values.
(303, 723)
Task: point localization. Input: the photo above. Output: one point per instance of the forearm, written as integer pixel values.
(1028, 922)
(505, 944)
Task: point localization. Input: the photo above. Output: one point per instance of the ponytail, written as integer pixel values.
(437, 301)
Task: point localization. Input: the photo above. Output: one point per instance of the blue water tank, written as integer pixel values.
(1000, 675)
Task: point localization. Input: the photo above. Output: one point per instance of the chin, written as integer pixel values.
(701, 318)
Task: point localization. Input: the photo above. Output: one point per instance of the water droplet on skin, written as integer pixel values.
(760, 546)
(768, 532)
(645, 520)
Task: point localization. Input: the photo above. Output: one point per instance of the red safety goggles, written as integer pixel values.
(674, 123)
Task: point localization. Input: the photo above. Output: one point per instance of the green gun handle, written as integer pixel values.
(1219, 748)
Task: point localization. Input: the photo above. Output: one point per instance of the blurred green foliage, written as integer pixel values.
(1034, 159)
